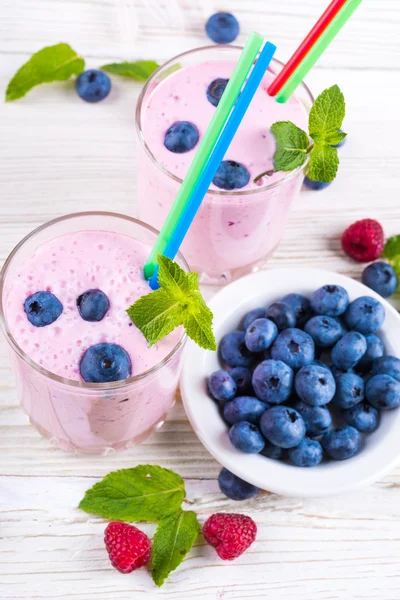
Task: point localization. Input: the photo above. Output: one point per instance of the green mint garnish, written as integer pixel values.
(140, 70)
(54, 63)
(173, 539)
(177, 302)
(327, 113)
(391, 252)
(291, 146)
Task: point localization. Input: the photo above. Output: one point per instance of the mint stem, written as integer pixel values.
(310, 148)
(266, 173)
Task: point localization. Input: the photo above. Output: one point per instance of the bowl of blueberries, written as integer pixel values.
(301, 398)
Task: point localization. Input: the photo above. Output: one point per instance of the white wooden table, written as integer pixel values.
(59, 155)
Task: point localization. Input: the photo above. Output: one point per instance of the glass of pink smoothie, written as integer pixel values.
(66, 258)
(235, 230)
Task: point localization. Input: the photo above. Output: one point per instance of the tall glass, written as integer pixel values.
(90, 417)
(212, 246)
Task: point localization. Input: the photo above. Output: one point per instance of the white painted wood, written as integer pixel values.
(58, 155)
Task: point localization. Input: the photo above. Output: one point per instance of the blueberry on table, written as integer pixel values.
(301, 307)
(93, 305)
(325, 331)
(294, 347)
(242, 377)
(283, 426)
(282, 315)
(272, 451)
(383, 392)
(318, 419)
(316, 186)
(235, 488)
(315, 385)
(221, 386)
(222, 28)
(244, 408)
(42, 308)
(104, 362)
(381, 277)
(93, 85)
(307, 454)
(181, 137)
(363, 417)
(234, 351)
(387, 365)
(246, 437)
(330, 300)
(341, 443)
(349, 350)
(375, 349)
(252, 315)
(365, 315)
(231, 175)
(273, 381)
(349, 390)
(215, 90)
(260, 334)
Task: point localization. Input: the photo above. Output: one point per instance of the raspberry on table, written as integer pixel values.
(229, 534)
(364, 240)
(127, 546)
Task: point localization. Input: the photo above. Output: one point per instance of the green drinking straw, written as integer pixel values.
(317, 50)
(205, 148)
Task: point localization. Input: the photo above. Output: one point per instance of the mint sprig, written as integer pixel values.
(177, 302)
(391, 252)
(139, 70)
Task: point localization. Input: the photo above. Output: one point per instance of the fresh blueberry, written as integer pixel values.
(318, 419)
(260, 335)
(365, 315)
(105, 362)
(231, 175)
(234, 351)
(375, 349)
(222, 28)
(349, 390)
(387, 365)
(235, 488)
(325, 331)
(294, 347)
(301, 307)
(242, 377)
(93, 85)
(320, 363)
(253, 315)
(273, 381)
(244, 408)
(215, 90)
(283, 426)
(272, 451)
(221, 386)
(181, 137)
(349, 350)
(342, 142)
(316, 185)
(363, 417)
(330, 300)
(246, 437)
(336, 372)
(381, 277)
(42, 308)
(282, 315)
(342, 443)
(383, 392)
(93, 305)
(315, 385)
(307, 454)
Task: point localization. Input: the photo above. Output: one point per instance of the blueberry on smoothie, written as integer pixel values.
(105, 362)
(316, 186)
(330, 300)
(341, 443)
(181, 137)
(294, 347)
(93, 85)
(307, 454)
(221, 386)
(325, 331)
(42, 308)
(93, 305)
(381, 277)
(235, 488)
(222, 28)
(283, 426)
(215, 90)
(231, 175)
(365, 315)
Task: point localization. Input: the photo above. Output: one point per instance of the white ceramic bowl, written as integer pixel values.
(380, 450)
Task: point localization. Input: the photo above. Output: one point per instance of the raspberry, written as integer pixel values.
(364, 240)
(128, 547)
(229, 534)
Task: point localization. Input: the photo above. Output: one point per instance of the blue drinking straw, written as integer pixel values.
(217, 155)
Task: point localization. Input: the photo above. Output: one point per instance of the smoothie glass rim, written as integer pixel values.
(169, 174)
(53, 376)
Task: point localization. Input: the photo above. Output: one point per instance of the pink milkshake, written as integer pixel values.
(240, 222)
(86, 375)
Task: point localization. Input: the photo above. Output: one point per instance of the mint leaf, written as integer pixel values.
(53, 63)
(144, 493)
(334, 138)
(291, 146)
(140, 70)
(173, 539)
(324, 163)
(177, 302)
(327, 113)
(391, 252)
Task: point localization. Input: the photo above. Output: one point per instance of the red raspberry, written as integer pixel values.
(229, 534)
(364, 240)
(128, 547)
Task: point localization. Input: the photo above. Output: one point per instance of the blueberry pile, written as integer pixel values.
(304, 378)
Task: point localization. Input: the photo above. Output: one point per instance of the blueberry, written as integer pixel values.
(318, 419)
(365, 315)
(215, 90)
(93, 85)
(221, 386)
(256, 313)
(381, 277)
(244, 408)
(347, 352)
(181, 137)
(301, 307)
(375, 349)
(349, 390)
(242, 377)
(283, 426)
(231, 175)
(260, 335)
(316, 185)
(325, 331)
(336, 372)
(235, 488)
(330, 300)
(42, 308)
(307, 454)
(387, 365)
(282, 315)
(382, 391)
(246, 437)
(315, 385)
(222, 28)
(320, 363)
(272, 451)
(234, 351)
(342, 143)
(342, 443)
(273, 381)
(294, 347)
(363, 417)
(93, 305)
(105, 362)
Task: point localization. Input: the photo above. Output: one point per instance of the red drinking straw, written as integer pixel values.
(305, 46)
